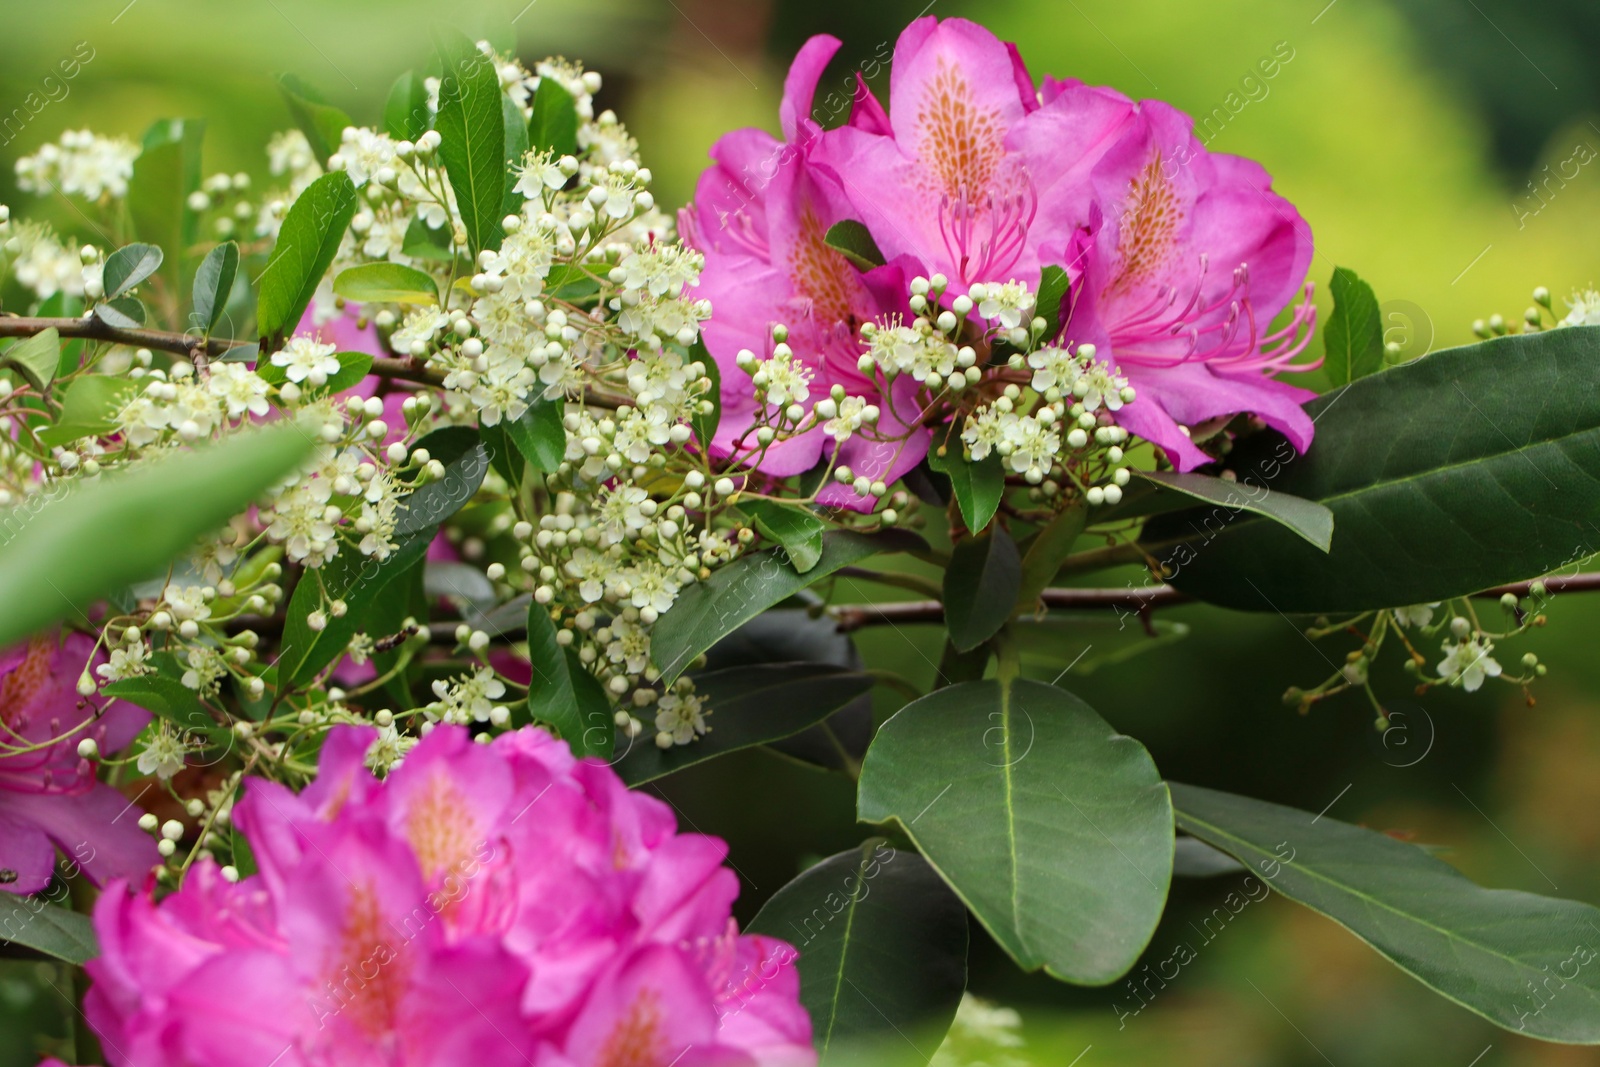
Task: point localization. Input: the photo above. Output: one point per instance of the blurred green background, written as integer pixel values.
(1408, 133)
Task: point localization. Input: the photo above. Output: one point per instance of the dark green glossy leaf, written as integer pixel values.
(128, 266)
(1055, 830)
(123, 312)
(465, 461)
(1525, 962)
(1306, 518)
(539, 434)
(1053, 290)
(386, 283)
(978, 486)
(1353, 338)
(357, 580)
(563, 695)
(854, 242)
(749, 706)
(213, 282)
(738, 592)
(980, 587)
(1045, 550)
(89, 408)
(705, 425)
(1456, 472)
(307, 243)
(47, 928)
(474, 147)
(882, 943)
(321, 122)
(61, 558)
(37, 357)
(554, 126)
(797, 531)
(405, 113)
(1193, 858)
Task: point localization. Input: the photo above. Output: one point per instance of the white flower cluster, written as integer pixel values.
(81, 164)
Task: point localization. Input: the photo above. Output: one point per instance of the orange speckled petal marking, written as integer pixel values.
(960, 143)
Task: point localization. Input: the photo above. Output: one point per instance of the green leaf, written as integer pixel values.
(749, 706)
(321, 122)
(474, 146)
(357, 580)
(353, 366)
(1044, 552)
(1055, 830)
(171, 700)
(1082, 642)
(1305, 518)
(705, 425)
(307, 243)
(465, 461)
(554, 125)
(797, 531)
(421, 242)
(122, 528)
(89, 408)
(213, 281)
(128, 266)
(540, 434)
(980, 587)
(37, 357)
(1442, 475)
(47, 928)
(166, 172)
(854, 242)
(1353, 338)
(1524, 962)
(738, 592)
(882, 943)
(563, 695)
(1054, 287)
(405, 113)
(978, 486)
(386, 283)
(124, 313)
(516, 127)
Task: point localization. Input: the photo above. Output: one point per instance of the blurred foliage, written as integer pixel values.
(1405, 131)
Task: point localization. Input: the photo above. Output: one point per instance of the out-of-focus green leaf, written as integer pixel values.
(405, 113)
(321, 122)
(48, 928)
(166, 172)
(37, 357)
(89, 408)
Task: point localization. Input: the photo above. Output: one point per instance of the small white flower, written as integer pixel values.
(306, 360)
(1467, 663)
(1417, 615)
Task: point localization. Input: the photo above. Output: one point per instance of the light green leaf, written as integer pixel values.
(750, 706)
(474, 146)
(128, 266)
(1525, 962)
(554, 126)
(89, 408)
(321, 122)
(1306, 518)
(980, 587)
(1442, 477)
(37, 357)
(122, 528)
(1353, 337)
(47, 928)
(733, 595)
(882, 943)
(166, 172)
(123, 312)
(386, 283)
(563, 695)
(1055, 830)
(797, 531)
(854, 242)
(213, 281)
(307, 243)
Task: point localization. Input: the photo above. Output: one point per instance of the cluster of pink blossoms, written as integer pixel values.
(1179, 259)
(484, 904)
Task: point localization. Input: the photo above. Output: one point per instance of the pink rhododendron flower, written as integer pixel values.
(500, 903)
(761, 217)
(1190, 257)
(49, 796)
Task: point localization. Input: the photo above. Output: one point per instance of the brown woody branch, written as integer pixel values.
(856, 616)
